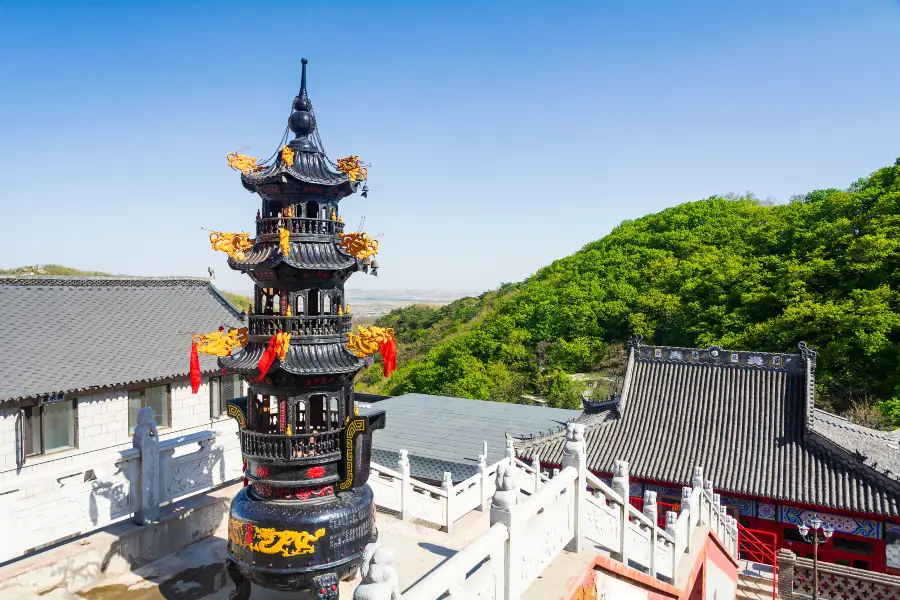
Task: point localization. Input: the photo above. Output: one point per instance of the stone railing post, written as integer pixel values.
(483, 482)
(717, 511)
(405, 486)
(787, 560)
(651, 512)
(447, 486)
(622, 486)
(510, 451)
(146, 440)
(708, 486)
(536, 465)
(379, 577)
(573, 456)
(671, 519)
(503, 511)
(686, 504)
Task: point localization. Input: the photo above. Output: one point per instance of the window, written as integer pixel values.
(221, 390)
(855, 546)
(48, 427)
(156, 397)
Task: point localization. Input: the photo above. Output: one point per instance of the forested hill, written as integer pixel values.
(731, 271)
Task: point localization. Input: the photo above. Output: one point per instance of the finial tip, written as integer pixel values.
(304, 61)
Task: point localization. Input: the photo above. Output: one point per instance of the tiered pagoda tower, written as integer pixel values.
(307, 514)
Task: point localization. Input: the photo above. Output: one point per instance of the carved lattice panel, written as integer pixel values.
(834, 586)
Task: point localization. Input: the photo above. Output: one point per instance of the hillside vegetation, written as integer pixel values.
(731, 271)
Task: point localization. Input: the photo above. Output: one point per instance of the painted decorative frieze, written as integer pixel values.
(843, 524)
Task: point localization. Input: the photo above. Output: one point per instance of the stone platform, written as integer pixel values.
(196, 572)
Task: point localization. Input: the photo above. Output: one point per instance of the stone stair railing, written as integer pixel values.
(397, 491)
(572, 511)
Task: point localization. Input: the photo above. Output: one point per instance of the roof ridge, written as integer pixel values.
(98, 281)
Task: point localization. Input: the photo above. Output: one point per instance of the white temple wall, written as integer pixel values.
(102, 426)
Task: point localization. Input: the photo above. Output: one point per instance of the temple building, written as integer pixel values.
(749, 419)
(82, 355)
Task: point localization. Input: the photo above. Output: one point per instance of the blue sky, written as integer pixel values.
(502, 135)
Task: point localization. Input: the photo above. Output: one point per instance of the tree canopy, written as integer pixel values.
(730, 271)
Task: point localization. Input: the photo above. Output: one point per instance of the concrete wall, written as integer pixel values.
(103, 427)
(720, 572)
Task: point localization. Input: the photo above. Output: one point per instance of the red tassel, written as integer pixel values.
(195, 369)
(268, 357)
(388, 351)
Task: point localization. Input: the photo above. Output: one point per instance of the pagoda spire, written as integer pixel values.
(303, 121)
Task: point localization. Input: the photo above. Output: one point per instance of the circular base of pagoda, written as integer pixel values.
(291, 545)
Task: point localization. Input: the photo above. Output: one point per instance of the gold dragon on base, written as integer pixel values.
(220, 343)
(235, 245)
(358, 244)
(271, 541)
(369, 340)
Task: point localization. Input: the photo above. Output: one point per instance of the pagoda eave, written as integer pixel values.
(309, 174)
(303, 256)
(300, 359)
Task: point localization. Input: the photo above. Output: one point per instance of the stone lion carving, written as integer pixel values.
(379, 577)
(145, 427)
(507, 493)
(574, 446)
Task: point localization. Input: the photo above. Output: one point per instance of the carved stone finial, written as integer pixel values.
(573, 449)
(380, 580)
(145, 427)
(708, 486)
(482, 461)
(671, 519)
(620, 468)
(447, 484)
(685, 496)
(507, 482)
(697, 479)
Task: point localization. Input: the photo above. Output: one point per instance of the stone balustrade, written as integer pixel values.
(103, 489)
(570, 511)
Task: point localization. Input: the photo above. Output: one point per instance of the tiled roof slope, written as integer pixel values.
(446, 434)
(739, 415)
(67, 334)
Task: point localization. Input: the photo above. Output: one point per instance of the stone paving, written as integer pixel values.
(197, 572)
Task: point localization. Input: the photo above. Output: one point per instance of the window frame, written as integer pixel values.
(215, 406)
(143, 390)
(40, 407)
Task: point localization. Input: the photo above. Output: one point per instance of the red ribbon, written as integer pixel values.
(195, 369)
(268, 357)
(388, 351)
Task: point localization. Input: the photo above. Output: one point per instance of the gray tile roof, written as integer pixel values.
(878, 450)
(743, 421)
(66, 334)
(446, 434)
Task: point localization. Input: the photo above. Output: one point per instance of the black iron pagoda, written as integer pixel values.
(306, 515)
